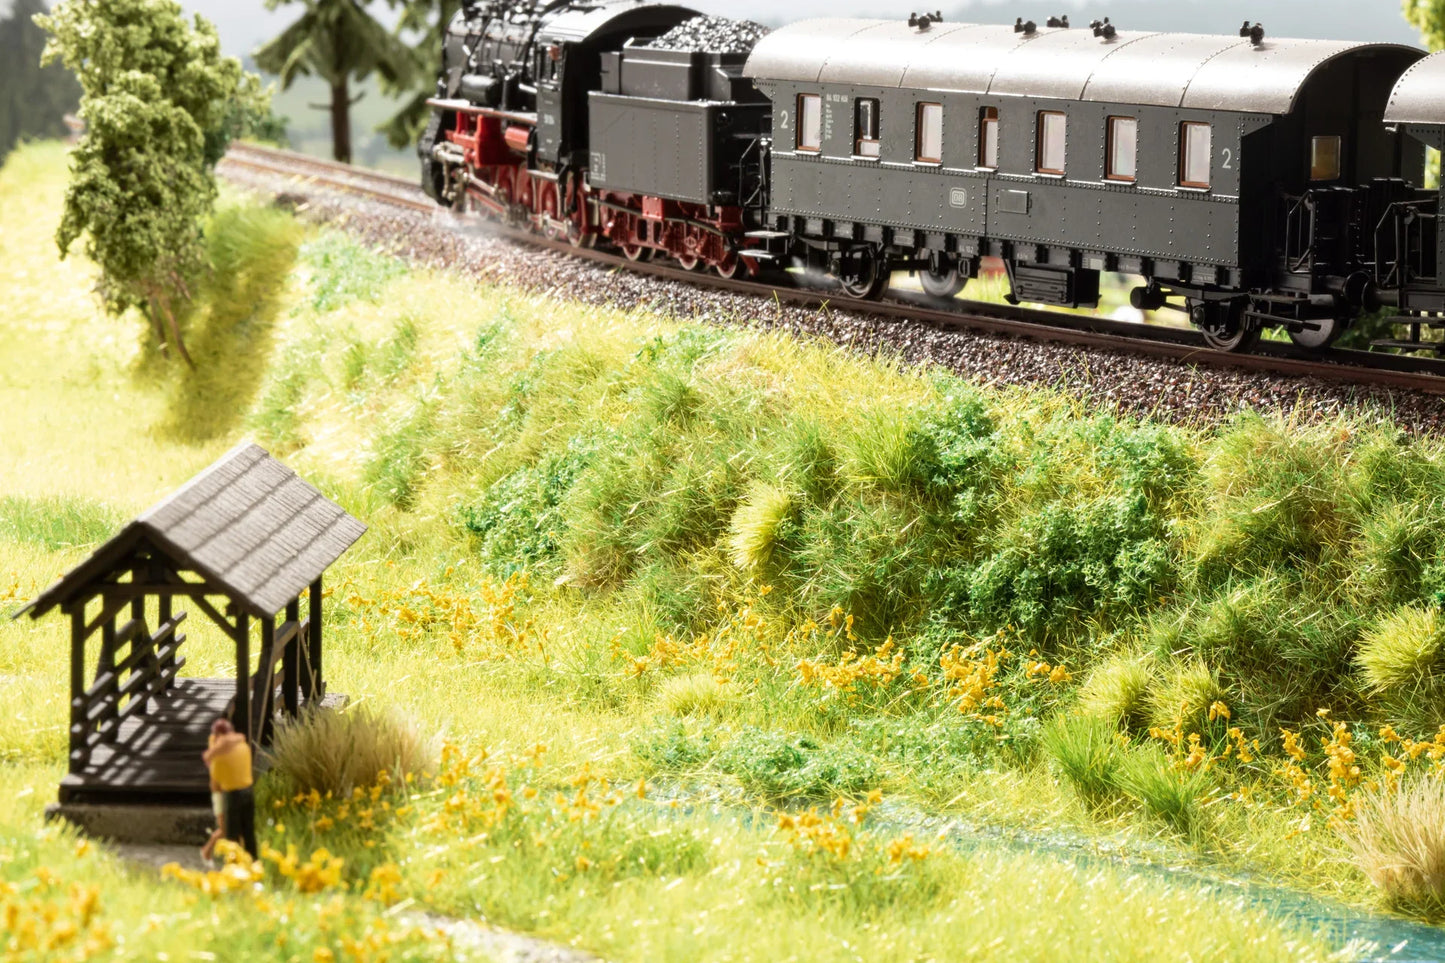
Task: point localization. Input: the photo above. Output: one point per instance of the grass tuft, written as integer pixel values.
(56, 522)
(1149, 777)
(1117, 690)
(336, 752)
(1398, 841)
(1183, 694)
(759, 524)
(1086, 749)
(697, 694)
(1403, 653)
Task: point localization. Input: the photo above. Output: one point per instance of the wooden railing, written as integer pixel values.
(284, 669)
(124, 685)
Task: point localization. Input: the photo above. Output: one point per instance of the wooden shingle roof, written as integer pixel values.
(249, 524)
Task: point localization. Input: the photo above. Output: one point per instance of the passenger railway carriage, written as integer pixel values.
(1250, 181)
(1180, 158)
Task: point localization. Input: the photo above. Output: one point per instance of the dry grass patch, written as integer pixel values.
(336, 752)
(1398, 841)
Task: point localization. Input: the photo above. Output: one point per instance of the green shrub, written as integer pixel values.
(1116, 690)
(335, 752)
(1086, 750)
(518, 521)
(1148, 777)
(675, 749)
(343, 271)
(789, 766)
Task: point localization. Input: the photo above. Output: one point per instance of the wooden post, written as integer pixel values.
(291, 662)
(242, 720)
(77, 680)
(106, 664)
(265, 672)
(163, 610)
(317, 687)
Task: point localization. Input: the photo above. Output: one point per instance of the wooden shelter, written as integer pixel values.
(242, 541)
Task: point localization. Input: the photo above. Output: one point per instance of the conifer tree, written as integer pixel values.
(338, 41)
(33, 99)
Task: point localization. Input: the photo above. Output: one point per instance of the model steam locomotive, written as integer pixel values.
(1252, 182)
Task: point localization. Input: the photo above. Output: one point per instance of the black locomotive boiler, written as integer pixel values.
(1250, 181)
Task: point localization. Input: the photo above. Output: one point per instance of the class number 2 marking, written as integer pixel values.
(1228, 159)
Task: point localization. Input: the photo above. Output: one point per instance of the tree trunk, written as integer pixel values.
(341, 121)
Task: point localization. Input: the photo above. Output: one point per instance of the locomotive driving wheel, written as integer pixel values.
(1224, 324)
(863, 274)
(552, 227)
(579, 220)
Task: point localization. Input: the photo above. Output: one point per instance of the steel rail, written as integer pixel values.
(1183, 345)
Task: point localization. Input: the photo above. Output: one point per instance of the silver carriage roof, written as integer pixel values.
(1159, 69)
(1419, 97)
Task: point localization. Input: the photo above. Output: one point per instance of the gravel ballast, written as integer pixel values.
(1120, 380)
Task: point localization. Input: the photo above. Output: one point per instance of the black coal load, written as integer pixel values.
(713, 35)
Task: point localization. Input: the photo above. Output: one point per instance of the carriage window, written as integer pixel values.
(1325, 159)
(928, 148)
(988, 138)
(865, 139)
(1122, 149)
(1053, 134)
(1195, 151)
(810, 122)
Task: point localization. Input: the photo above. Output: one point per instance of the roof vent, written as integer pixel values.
(1025, 27)
(922, 21)
(1254, 33)
(1061, 23)
(1103, 28)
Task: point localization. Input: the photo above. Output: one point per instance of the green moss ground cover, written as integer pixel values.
(664, 590)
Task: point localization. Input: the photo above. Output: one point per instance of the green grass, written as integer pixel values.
(700, 511)
(58, 522)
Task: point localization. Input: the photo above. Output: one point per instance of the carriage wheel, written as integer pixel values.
(945, 283)
(1328, 332)
(863, 275)
(1224, 325)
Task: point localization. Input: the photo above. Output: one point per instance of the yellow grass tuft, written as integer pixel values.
(1117, 690)
(755, 526)
(1402, 653)
(1183, 694)
(696, 694)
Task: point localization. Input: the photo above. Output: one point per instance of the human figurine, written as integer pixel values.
(229, 759)
(219, 728)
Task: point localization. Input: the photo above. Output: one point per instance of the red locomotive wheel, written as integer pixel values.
(579, 222)
(526, 200)
(636, 252)
(729, 267)
(552, 228)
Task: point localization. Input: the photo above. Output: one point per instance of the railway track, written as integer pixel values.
(1186, 346)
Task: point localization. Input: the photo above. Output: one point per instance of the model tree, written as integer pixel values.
(338, 41)
(33, 99)
(142, 179)
(1428, 17)
(426, 20)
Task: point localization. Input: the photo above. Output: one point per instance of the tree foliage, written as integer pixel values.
(142, 179)
(338, 41)
(33, 99)
(426, 20)
(1428, 17)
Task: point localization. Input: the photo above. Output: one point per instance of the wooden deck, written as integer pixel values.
(157, 756)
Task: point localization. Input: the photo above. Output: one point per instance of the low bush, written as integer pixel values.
(335, 752)
(1398, 840)
(1087, 751)
(790, 766)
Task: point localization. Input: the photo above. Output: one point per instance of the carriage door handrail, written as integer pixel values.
(1299, 233)
(1402, 242)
